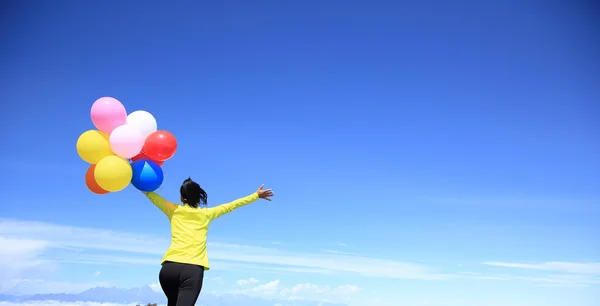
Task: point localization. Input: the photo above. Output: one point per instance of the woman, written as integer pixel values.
(186, 259)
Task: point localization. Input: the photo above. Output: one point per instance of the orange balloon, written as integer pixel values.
(90, 181)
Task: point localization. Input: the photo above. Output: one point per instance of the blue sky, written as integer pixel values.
(450, 150)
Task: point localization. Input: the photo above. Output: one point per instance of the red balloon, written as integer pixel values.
(160, 146)
(143, 156)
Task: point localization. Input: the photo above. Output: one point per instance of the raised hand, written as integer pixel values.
(264, 194)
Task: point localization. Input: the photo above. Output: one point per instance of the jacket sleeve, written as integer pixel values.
(165, 206)
(217, 211)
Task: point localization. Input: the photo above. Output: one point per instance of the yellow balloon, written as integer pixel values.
(93, 145)
(113, 173)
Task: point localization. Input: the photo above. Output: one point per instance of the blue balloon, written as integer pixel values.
(147, 175)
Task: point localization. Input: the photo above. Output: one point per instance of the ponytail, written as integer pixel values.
(192, 194)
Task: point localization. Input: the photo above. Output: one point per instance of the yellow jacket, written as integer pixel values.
(189, 227)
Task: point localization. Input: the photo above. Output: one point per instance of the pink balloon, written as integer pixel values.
(126, 141)
(107, 114)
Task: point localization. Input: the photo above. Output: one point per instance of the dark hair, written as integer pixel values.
(192, 194)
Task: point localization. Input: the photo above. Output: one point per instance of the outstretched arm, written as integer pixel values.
(217, 211)
(165, 206)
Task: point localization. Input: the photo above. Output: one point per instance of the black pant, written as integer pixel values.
(181, 283)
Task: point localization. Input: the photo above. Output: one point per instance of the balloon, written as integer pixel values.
(92, 146)
(143, 121)
(113, 173)
(90, 181)
(126, 141)
(160, 145)
(147, 175)
(143, 156)
(107, 114)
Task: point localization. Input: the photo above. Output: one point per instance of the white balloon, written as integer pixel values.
(143, 121)
(126, 141)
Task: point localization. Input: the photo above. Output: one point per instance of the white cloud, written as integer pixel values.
(245, 282)
(328, 262)
(346, 289)
(147, 249)
(20, 247)
(19, 259)
(342, 244)
(228, 265)
(61, 236)
(554, 280)
(30, 247)
(306, 291)
(56, 303)
(96, 274)
(568, 267)
(155, 287)
(267, 290)
(39, 286)
(337, 252)
(562, 280)
(219, 280)
(19, 255)
(302, 291)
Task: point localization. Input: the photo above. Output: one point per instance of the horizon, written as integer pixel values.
(421, 153)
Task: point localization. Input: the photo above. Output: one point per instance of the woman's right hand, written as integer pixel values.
(264, 194)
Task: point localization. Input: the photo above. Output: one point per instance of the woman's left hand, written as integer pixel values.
(264, 194)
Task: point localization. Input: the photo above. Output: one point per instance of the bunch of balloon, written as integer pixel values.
(124, 149)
